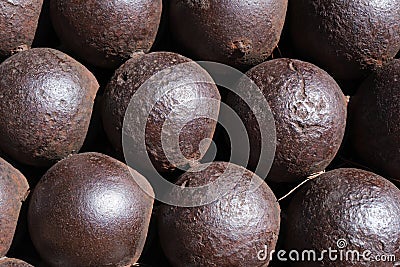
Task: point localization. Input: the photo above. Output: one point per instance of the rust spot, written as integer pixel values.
(122, 78)
(19, 48)
(244, 46)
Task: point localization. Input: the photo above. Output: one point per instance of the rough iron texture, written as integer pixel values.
(358, 206)
(240, 33)
(13, 191)
(46, 104)
(106, 33)
(228, 232)
(310, 117)
(131, 76)
(9, 262)
(375, 120)
(88, 210)
(18, 22)
(346, 37)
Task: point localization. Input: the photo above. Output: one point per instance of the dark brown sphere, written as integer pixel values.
(46, 104)
(128, 79)
(228, 232)
(375, 120)
(346, 37)
(106, 33)
(310, 117)
(18, 23)
(9, 262)
(348, 210)
(14, 189)
(88, 210)
(240, 33)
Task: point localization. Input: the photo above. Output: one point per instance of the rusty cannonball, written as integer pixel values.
(227, 232)
(90, 210)
(310, 117)
(347, 38)
(106, 33)
(18, 23)
(14, 189)
(46, 103)
(239, 33)
(162, 70)
(375, 120)
(348, 210)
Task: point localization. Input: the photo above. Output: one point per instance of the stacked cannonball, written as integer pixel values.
(79, 161)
